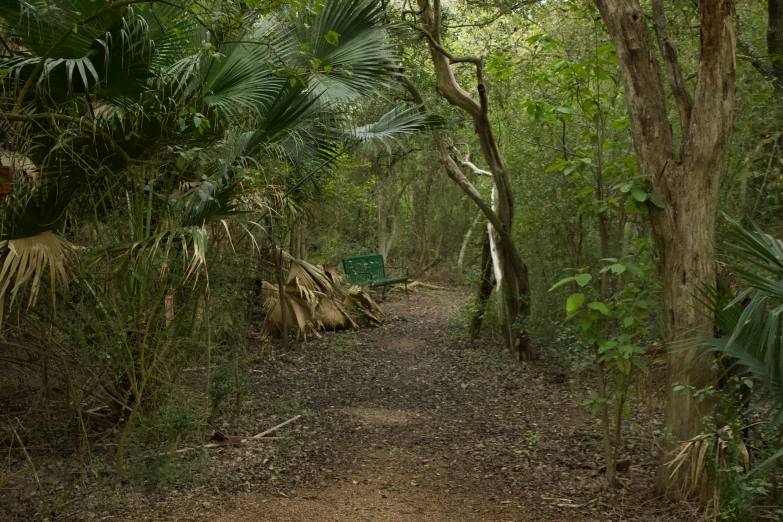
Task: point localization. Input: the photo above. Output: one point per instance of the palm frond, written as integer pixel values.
(246, 77)
(348, 52)
(25, 260)
(393, 125)
(751, 322)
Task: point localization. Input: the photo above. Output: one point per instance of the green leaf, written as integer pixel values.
(574, 302)
(586, 323)
(583, 279)
(639, 194)
(332, 38)
(631, 349)
(603, 346)
(561, 283)
(639, 363)
(565, 110)
(624, 365)
(597, 305)
(748, 383)
(628, 322)
(641, 304)
(657, 200)
(618, 268)
(634, 269)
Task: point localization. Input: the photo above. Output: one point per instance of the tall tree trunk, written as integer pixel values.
(514, 284)
(687, 180)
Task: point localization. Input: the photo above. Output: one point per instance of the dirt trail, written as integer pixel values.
(408, 423)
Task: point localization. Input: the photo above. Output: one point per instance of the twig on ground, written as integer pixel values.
(275, 428)
(235, 441)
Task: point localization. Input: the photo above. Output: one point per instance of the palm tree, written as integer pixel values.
(99, 94)
(751, 321)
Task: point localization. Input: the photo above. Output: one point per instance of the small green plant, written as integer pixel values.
(613, 326)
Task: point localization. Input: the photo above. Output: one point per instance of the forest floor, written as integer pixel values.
(408, 422)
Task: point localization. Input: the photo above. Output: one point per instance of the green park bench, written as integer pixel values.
(371, 271)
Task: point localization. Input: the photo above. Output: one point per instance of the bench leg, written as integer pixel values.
(406, 289)
(383, 293)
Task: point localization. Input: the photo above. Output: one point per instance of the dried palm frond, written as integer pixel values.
(358, 299)
(298, 312)
(330, 271)
(26, 259)
(315, 300)
(694, 452)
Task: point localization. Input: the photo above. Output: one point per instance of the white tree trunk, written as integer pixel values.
(497, 266)
(465, 244)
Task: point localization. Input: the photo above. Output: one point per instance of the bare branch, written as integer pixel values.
(475, 60)
(443, 60)
(474, 168)
(673, 69)
(455, 173)
(759, 63)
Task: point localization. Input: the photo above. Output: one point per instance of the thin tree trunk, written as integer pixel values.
(282, 297)
(606, 439)
(485, 286)
(465, 243)
(382, 239)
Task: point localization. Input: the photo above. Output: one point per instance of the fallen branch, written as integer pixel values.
(270, 430)
(235, 441)
(426, 285)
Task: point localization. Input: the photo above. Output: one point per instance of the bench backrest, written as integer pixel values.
(363, 269)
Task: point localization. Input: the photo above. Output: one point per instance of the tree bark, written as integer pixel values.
(775, 39)
(465, 244)
(687, 179)
(485, 286)
(514, 284)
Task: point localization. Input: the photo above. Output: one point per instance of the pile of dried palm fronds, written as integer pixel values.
(316, 299)
(696, 451)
